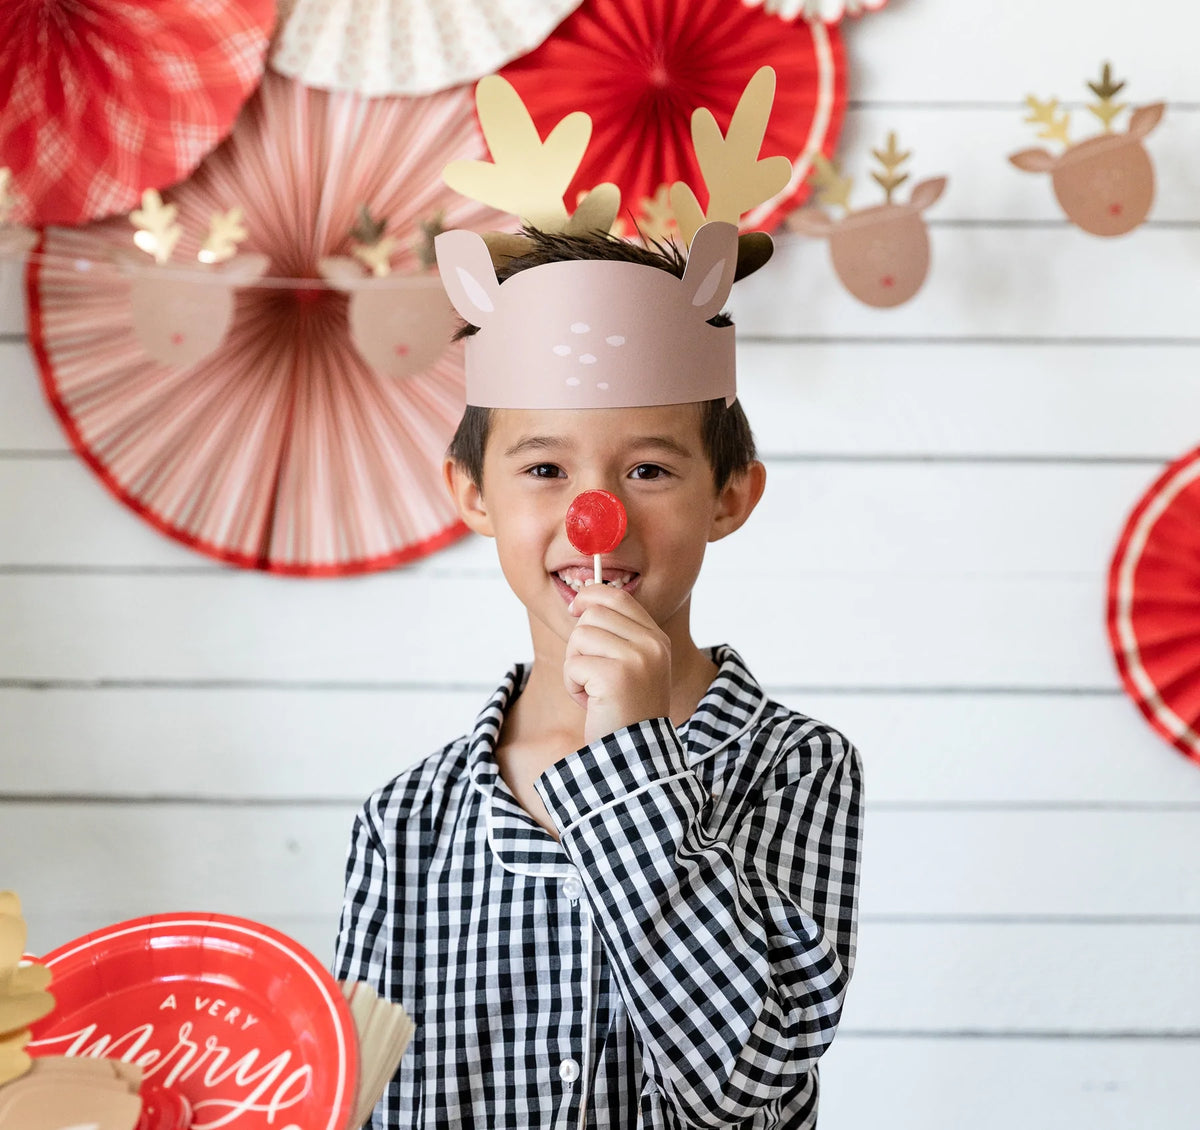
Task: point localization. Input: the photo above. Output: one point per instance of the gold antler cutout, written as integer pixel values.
(528, 176)
(225, 231)
(1054, 125)
(891, 159)
(1106, 90)
(736, 179)
(157, 233)
(833, 189)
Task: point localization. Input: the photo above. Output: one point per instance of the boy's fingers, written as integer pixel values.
(605, 596)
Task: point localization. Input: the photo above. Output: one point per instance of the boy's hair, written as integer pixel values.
(724, 431)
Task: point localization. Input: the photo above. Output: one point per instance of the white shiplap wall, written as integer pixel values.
(947, 481)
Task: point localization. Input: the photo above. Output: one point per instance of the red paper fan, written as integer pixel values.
(1154, 605)
(284, 449)
(640, 67)
(104, 99)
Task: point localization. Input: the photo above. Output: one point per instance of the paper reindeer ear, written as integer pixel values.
(711, 265)
(1104, 183)
(468, 275)
(880, 253)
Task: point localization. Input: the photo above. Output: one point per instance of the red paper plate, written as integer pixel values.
(640, 67)
(1154, 605)
(236, 1017)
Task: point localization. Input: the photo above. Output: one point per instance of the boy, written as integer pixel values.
(627, 896)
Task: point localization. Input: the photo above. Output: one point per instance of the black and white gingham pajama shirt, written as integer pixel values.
(679, 959)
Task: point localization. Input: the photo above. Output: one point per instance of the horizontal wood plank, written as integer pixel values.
(855, 631)
(944, 51)
(994, 283)
(815, 519)
(999, 1084)
(287, 859)
(273, 744)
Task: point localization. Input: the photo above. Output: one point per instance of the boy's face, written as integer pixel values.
(652, 459)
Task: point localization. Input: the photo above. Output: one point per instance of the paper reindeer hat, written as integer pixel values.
(592, 333)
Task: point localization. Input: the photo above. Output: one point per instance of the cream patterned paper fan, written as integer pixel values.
(380, 47)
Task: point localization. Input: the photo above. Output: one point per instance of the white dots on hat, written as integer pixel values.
(580, 327)
(562, 350)
(615, 339)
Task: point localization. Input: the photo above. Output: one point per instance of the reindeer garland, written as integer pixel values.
(881, 253)
(1105, 183)
(182, 316)
(400, 325)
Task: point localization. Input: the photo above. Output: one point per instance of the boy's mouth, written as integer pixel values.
(575, 577)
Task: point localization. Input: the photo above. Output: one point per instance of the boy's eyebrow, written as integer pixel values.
(666, 444)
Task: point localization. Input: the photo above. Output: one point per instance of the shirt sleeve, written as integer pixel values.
(361, 950)
(732, 953)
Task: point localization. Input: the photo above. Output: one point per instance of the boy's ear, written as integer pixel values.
(468, 498)
(737, 499)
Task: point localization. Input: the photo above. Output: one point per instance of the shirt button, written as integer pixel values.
(572, 887)
(568, 1071)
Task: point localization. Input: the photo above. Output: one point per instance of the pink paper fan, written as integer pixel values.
(104, 99)
(380, 47)
(284, 449)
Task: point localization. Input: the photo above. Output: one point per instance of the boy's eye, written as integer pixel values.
(545, 471)
(648, 471)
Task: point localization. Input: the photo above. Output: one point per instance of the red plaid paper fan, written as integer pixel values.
(640, 67)
(1154, 605)
(106, 98)
(283, 449)
(380, 47)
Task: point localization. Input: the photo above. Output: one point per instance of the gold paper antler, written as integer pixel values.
(372, 247)
(891, 159)
(528, 176)
(23, 996)
(736, 179)
(1106, 90)
(832, 188)
(1045, 114)
(157, 233)
(225, 232)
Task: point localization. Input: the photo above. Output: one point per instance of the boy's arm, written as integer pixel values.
(733, 956)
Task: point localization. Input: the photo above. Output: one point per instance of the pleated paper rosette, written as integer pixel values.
(1154, 605)
(379, 47)
(284, 449)
(827, 11)
(640, 68)
(105, 98)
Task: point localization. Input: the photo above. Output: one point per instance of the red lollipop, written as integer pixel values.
(596, 524)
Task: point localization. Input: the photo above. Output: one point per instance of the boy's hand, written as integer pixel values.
(618, 662)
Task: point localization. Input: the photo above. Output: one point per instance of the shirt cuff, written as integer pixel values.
(611, 768)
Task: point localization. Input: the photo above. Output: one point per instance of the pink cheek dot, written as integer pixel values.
(586, 359)
(402, 350)
(1115, 209)
(177, 338)
(616, 339)
(887, 280)
(562, 350)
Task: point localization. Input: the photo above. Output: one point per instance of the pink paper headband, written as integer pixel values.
(592, 333)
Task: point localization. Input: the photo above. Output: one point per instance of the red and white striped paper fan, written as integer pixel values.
(1154, 605)
(103, 99)
(283, 450)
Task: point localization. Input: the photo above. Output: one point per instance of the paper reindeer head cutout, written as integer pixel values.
(1104, 184)
(881, 253)
(399, 324)
(180, 316)
(593, 333)
(14, 239)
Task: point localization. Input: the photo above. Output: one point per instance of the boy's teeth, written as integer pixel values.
(579, 581)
